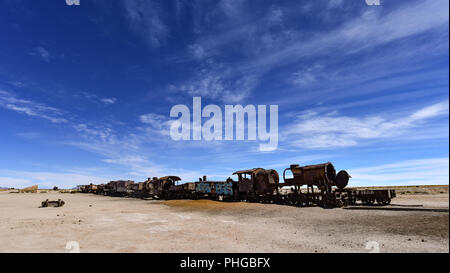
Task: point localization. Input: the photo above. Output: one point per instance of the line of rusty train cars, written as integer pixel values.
(303, 186)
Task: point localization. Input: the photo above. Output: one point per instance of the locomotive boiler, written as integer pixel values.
(323, 176)
(159, 187)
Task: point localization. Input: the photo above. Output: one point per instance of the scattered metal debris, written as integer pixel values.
(47, 203)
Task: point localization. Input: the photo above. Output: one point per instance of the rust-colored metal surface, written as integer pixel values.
(160, 187)
(258, 180)
(47, 203)
(119, 187)
(323, 187)
(322, 176)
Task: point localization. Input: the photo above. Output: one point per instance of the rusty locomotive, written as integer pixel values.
(303, 186)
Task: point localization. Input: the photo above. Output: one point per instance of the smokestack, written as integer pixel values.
(204, 178)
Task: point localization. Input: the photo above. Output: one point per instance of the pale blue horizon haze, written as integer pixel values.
(86, 91)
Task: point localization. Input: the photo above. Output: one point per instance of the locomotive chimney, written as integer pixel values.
(204, 178)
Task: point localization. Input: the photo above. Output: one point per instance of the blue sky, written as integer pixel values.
(86, 91)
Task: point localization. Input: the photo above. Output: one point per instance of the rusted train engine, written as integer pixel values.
(161, 188)
(158, 188)
(303, 186)
(321, 176)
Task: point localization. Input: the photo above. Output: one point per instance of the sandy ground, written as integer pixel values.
(412, 223)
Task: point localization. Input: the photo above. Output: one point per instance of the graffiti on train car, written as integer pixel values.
(224, 188)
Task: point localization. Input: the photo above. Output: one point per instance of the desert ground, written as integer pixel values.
(416, 221)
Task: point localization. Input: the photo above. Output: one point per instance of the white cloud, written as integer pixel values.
(318, 130)
(144, 17)
(94, 98)
(275, 16)
(128, 160)
(11, 102)
(334, 3)
(128, 151)
(157, 121)
(11, 182)
(431, 111)
(104, 134)
(41, 53)
(18, 84)
(307, 75)
(215, 84)
(108, 100)
(30, 135)
(262, 50)
(137, 165)
(21, 179)
(155, 124)
(216, 77)
(232, 8)
(198, 51)
(373, 28)
(433, 171)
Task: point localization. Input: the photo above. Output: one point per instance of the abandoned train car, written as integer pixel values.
(323, 187)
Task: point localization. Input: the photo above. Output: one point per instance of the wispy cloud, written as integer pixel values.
(94, 98)
(155, 120)
(321, 130)
(308, 75)
(18, 84)
(431, 111)
(215, 84)
(335, 3)
(27, 107)
(144, 18)
(138, 166)
(373, 28)
(105, 134)
(275, 16)
(29, 135)
(369, 74)
(432, 171)
(261, 49)
(41, 53)
(217, 78)
(21, 179)
(123, 149)
(156, 125)
(130, 151)
(108, 100)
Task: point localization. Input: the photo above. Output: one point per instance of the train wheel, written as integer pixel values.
(352, 201)
(339, 203)
(307, 200)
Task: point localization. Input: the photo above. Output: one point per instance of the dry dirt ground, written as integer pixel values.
(412, 223)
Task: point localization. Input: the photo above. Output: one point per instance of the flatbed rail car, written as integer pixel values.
(335, 198)
(369, 196)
